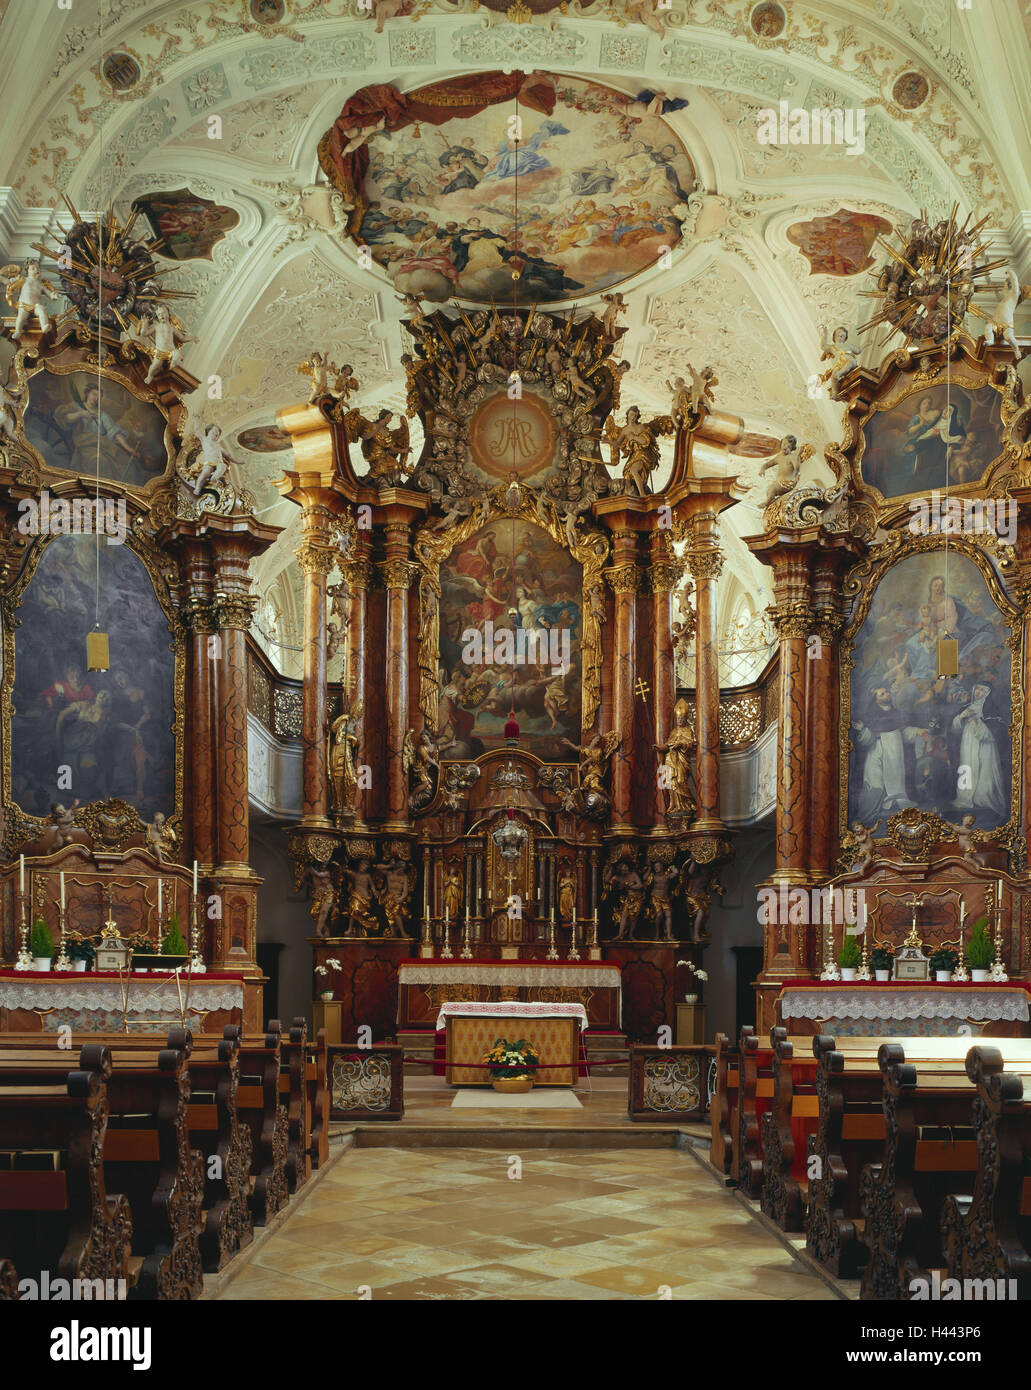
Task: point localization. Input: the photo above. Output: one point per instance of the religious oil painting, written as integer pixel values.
(938, 745)
(600, 182)
(82, 422)
(190, 226)
(944, 436)
(111, 730)
(841, 244)
(511, 584)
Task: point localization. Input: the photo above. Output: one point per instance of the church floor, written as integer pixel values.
(450, 1223)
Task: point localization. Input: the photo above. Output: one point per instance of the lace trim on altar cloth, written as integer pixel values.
(143, 999)
(515, 973)
(511, 1009)
(996, 1005)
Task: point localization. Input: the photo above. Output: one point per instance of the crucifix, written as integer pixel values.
(914, 902)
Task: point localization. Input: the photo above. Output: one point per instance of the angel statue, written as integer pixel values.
(167, 336)
(591, 798)
(384, 450)
(615, 305)
(160, 838)
(687, 400)
(343, 759)
(786, 463)
(638, 441)
(1001, 322)
(420, 759)
(844, 354)
(27, 291)
(214, 461)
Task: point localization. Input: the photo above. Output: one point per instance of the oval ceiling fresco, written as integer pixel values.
(590, 196)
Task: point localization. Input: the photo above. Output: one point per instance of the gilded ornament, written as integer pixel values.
(705, 564)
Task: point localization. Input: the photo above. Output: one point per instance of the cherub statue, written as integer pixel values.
(339, 618)
(317, 368)
(385, 450)
(662, 881)
(63, 824)
(345, 382)
(323, 896)
(359, 898)
(616, 306)
(168, 336)
(398, 880)
(844, 354)
(160, 838)
(786, 463)
(343, 761)
(645, 12)
(862, 838)
(27, 291)
(413, 305)
(214, 461)
(1001, 322)
(687, 400)
(638, 441)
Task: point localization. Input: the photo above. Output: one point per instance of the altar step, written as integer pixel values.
(607, 1053)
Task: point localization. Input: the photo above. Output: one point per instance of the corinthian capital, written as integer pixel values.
(705, 564)
(315, 559)
(397, 574)
(623, 579)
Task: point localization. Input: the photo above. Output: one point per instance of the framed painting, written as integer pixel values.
(911, 739)
(189, 226)
(90, 736)
(84, 422)
(935, 437)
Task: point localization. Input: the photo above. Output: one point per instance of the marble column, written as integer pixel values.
(623, 578)
(822, 709)
(201, 623)
(397, 572)
(705, 565)
(359, 575)
(663, 574)
(316, 556)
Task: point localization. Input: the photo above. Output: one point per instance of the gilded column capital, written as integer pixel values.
(398, 574)
(705, 564)
(358, 574)
(199, 616)
(664, 575)
(315, 559)
(235, 610)
(827, 623)
(623, 579)
(793, 618)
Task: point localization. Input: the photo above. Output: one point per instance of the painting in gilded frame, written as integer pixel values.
(70, 414)
(502, 567)
(941, 746)
(940, 436)
(112, 730)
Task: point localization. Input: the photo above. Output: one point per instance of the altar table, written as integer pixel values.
(471, 1029)
(904, 1008)
(423, 985)
(92, 1002)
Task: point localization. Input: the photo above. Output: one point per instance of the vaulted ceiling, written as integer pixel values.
(946, 94)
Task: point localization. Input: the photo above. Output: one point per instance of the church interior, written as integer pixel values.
(506, 794)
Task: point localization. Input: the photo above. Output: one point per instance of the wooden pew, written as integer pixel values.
(724, 1102)
(146, 1153)
(785, 1131)
(317, 1084)
(987, 1234)
(258, 1106)
(59, 1218)
(929, 1151)
(754, 1099)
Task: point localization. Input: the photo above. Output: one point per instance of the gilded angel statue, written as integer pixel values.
(786, 464)
(321, 369)
(638, 441)
(384, 450)
(688, 397)
(343, 760)
(419, 758)
(845, 356)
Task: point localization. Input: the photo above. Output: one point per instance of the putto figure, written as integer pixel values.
(638, 442)
(688, 399)
(160, 838)
(30, 290)
(168, 337)
(844, 355)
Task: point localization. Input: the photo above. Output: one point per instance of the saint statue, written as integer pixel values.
(679, 750)
(567, 894)
(343, 757)
(454, 886)
(638, 442)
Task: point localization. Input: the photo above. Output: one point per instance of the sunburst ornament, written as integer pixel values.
(108, 275)
(927, 287)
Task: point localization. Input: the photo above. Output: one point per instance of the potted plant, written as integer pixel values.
(80, 953)
(698, 973)
(327, 995)
(881, 959)
(849, 958)
(980, 951)
(512, 1064)
(41, 944)
(943, 963)
(173, 943)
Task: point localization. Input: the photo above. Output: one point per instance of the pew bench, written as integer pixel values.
(785, 1130)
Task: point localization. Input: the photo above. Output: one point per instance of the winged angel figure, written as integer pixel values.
(638, 441)
(384, 450)
(419, 759)
(590, 798)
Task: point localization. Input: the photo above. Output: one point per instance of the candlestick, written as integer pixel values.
(466, 953)
(197, 966)
(960, 975)
(195, 878)
(21, 873)
(574, 950)
(62, 962)
(446, 953)
(552, 954)
(62, 891)
(24, 961)
(159, 897)
(426, 945)
(997, 973)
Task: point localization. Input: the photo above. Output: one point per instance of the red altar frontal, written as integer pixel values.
(852, 1008)
(32, 1001)
(425, 985)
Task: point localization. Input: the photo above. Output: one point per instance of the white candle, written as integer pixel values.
(159, 897)
(21, 868)
(998, 901)
(62, 890)
(195, 878)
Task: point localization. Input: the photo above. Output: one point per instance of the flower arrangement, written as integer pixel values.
(41, 943)
(512, 1060)
(695, 970)
(980, 951)
(850, 956)
(324, 969)
(882, 957)
(944, 958)
(79, 948)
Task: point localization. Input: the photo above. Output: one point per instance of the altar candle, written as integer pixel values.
(62, 890)
(21, 869)
(998, 900)
(195, 878)
(159, 897)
